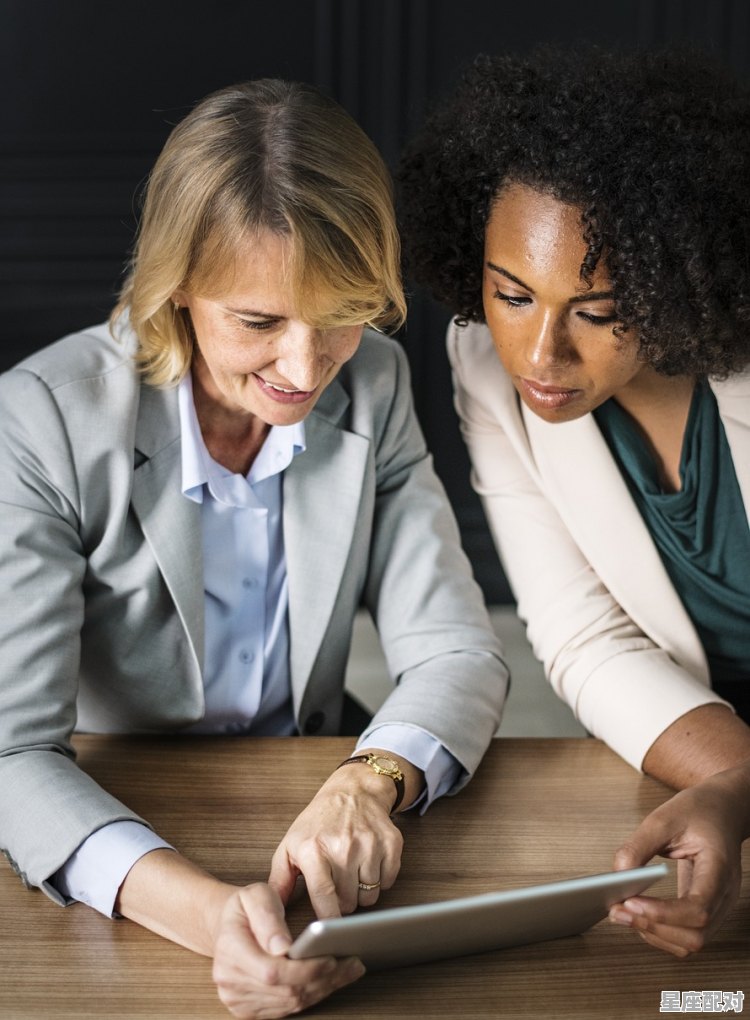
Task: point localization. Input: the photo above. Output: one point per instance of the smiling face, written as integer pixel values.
(255, 355)
(552, 332)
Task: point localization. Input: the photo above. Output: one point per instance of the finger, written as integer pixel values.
(642, 911)
(390, 863)
(368, 890)
(705, 894)
(286, 986)
(680, 940)
(321, 885)
(283, 875)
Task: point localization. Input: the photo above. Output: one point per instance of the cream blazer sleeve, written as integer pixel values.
(625, 681)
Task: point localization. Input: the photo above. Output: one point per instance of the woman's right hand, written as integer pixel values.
(253, 976)
(702, 828)
(242, 928)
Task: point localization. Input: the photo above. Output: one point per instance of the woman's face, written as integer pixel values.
(552, 332)
(255, 355)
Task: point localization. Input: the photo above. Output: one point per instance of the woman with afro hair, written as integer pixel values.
(586, 217)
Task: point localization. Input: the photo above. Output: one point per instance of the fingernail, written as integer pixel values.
(279, 945)
(620, 917)
(356, 967)
(633, 906)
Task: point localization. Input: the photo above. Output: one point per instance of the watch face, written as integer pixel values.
(383, 764)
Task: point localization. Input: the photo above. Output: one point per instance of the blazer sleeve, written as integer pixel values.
(451, 679)
(620, 684)
(48, 806)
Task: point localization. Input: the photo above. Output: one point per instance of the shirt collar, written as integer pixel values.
(281, 445)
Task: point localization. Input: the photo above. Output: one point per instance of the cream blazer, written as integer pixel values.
(588, 579)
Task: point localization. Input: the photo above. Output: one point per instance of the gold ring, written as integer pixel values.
(368, 887)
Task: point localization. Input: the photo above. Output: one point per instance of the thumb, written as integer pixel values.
(264, 912)
(646, 842)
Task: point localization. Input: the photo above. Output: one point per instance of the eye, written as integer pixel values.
(258, 325)
(597, 320)
(514, 300)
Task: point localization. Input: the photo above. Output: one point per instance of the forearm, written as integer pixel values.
(707, 740)
(169, 895)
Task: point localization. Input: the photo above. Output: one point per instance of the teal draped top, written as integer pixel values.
(701, 533)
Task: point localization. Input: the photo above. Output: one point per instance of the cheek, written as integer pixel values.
(346, 344)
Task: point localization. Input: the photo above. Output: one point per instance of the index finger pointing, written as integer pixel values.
(321, 886)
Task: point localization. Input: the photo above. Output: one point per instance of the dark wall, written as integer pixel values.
(91, 90)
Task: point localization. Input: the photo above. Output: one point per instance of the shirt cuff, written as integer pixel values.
(425, 752)
(94, 873)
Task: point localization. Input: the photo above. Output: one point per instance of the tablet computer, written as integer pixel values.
(473, 924)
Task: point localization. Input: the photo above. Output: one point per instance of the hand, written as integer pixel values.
(702, 828)
(253, 976)
(344, 837)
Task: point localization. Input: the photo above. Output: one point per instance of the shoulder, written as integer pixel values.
(483, 389)
(378, 356)
(91, 353)
(373, 378)
(474, 359)
(86, 385)
(736, 386)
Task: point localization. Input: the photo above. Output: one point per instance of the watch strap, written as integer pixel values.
(398, 777)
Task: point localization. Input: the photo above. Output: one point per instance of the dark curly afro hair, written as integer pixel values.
(654, 149)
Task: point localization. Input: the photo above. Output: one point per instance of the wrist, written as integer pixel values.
(383, 766)
(737, 782)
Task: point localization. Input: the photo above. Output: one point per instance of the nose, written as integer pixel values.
(301, 358)
(549, 341)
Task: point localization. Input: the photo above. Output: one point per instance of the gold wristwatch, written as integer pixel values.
(384, 766)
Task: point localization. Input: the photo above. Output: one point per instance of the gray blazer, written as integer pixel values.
(101, 578)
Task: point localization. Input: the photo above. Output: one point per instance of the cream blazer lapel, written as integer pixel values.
(170, 522)
(585, 485)
(322, 496)
(733, 398)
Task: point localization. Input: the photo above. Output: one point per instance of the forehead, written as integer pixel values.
(259, 266)
(539, 238)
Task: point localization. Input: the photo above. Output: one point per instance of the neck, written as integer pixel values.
(660, 406)
(232, 436)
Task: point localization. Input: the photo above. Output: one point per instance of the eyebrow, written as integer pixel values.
(249, 312)
(592, 295)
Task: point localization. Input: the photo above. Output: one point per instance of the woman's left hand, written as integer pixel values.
(703, 828)
(344, 839)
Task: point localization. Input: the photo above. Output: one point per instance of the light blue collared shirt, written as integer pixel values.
(246, 658)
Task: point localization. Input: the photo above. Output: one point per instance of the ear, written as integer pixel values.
(179, 298)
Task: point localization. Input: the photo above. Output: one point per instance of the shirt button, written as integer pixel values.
(246, 656)
(248, 582)
(314, 722)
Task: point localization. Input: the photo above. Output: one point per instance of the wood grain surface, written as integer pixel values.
(538, 810)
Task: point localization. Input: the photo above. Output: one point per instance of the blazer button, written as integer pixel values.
(314, 722)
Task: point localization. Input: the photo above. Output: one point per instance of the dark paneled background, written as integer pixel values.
(90, 90)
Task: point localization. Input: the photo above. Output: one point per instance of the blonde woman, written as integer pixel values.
(197, 498)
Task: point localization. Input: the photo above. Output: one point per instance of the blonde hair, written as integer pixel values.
(263, 155)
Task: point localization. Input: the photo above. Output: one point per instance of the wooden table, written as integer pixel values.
(538, 810)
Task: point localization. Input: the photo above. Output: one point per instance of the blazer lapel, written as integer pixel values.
(170, 522)
(733, 398)
(590, 495)
(322, 494)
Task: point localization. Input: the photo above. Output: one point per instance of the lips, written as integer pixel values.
(547, 396)
(281, 394)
